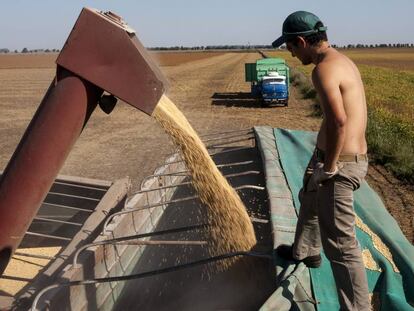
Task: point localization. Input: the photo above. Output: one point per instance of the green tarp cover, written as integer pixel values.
(294, 290)
(395, 289)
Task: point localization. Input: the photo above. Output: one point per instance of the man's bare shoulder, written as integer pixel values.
(331, 67)
(325, 71)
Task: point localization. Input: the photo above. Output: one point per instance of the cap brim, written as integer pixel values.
(279, 41)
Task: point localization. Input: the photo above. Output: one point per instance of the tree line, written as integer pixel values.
(263, 47)
(26, 50)
(229, 47)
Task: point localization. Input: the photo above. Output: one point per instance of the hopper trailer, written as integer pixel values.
(148, 251)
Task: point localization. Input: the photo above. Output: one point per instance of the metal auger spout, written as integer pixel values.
(101, 54)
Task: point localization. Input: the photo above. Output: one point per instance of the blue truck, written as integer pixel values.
(269, 78)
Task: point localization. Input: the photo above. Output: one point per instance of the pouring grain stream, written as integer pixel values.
(230, 226)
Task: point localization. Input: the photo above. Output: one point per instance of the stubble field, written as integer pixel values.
(208, 87)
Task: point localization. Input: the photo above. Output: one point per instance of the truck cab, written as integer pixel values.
(274, 89)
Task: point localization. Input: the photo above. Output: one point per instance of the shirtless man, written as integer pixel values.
(338, 165)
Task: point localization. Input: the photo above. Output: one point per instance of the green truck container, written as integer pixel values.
(269, 78)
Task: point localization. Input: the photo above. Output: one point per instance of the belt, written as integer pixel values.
(358, 157)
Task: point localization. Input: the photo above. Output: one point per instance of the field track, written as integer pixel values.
(209, 89)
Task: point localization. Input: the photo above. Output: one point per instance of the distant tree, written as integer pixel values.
(25, 50)
(4, 50)
(16, 51)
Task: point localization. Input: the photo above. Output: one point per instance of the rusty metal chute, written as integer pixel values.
(101, 54)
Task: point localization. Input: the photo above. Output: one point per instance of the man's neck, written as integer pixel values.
(320, 52)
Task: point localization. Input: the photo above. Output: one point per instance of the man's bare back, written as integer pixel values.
(338, 81)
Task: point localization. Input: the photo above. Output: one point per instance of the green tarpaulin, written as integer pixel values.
(395, 289)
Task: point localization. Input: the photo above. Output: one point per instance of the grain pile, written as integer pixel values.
(369, 261)
(21, 270)
(377, 242)
(230, 226)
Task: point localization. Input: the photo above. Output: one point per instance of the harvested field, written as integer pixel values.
(47, 60)
(401, 58)
(27, 61)
(178, 58)
(210, 91)
(124, 142)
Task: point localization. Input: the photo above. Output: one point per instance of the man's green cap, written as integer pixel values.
(300, 23)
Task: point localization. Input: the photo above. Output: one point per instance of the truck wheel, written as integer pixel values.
(286, 103)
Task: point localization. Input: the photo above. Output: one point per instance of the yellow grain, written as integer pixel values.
(230, 226)
(22, 269)
(369, 261)
(377, 242)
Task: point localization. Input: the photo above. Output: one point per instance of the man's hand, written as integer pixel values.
(320, 175)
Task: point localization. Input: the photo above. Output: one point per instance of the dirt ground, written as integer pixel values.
(212, 94)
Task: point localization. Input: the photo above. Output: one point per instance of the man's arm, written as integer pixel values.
(326, 83)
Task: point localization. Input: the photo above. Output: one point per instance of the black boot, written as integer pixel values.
(286, 252)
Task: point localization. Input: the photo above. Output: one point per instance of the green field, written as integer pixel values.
(388, 76)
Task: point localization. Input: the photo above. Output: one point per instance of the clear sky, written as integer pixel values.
(47, 23)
